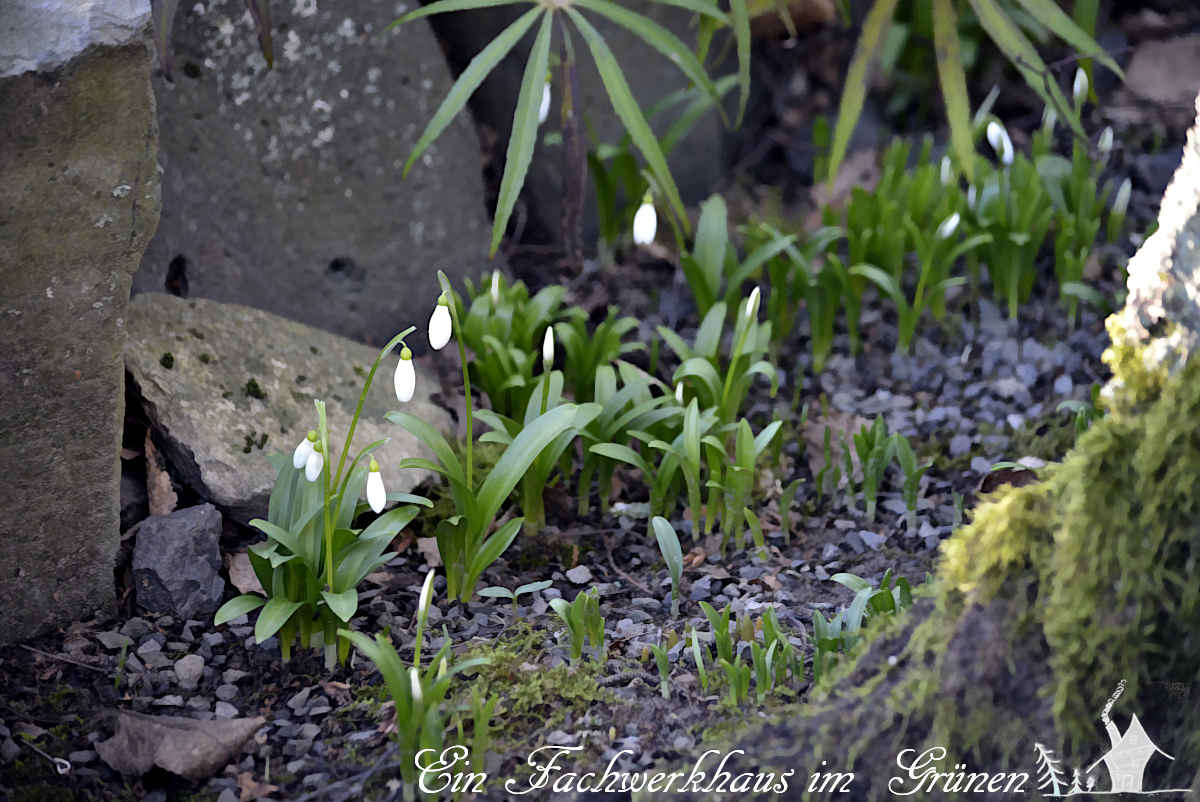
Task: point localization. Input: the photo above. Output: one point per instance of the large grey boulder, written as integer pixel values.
(79, 199)
(224, 385)
(282, 187)
(697, 162)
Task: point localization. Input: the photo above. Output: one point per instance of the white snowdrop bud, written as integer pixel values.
(1105, 144)
(300, 455)
(495, 288)
(947, 171)
(544, 109)
(1121, 202)
(439, 324)
(548, 349)
(314, 463)
(376, 495)
(679, 393)
(645, 222)
(998, 138)
(406, 377)
(948, 226)
(1079, 88)
(752, 303)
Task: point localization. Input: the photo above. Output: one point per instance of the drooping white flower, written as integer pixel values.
(1106, 141)
(495, 288)
(752, 303)
(679, 393)
(1049, 118)
(971, 196)
(548, 349)
(645, 222)
(439, 324)
(300, 455)
(947, 171)
(948, 226)
(314, 463)
(1121, 202)
(376, 495)
(544, 109)
(406, 377)
(426, 595)
(1079, 88)
(998, 138)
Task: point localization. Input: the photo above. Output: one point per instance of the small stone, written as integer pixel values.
(1015, 420)
(213, 639)
(114, 640)
(981, 465)
(189, 670)
(855, 542)
(701, 589)
(580, 575)
(319, 710)
(9, 750)
(227, 693)
(874, 542)
(299, 700)
(225, 710)
(228, 795)
(820, 573)
(310, 731)
(313, 780)
(174, 700)
(1063, 385)
(830, 552)
(295, 766)
(149, 647)
(136, 628)
(1027, 373)
(960, 444)
(233, 675)
(198, 703)
(82, 756)
(560, 738)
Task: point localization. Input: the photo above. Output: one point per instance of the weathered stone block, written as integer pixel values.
(79, 200)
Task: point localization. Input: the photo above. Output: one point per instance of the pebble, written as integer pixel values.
(299, 700)
(213, 639)
(981, 464)
(82, 756)
(701, 589)
(150, 646)
(873, 541)
(1063, 385)
(227, 693)
(229, 795)
(1027, 373)
(960, 444)
(580, 575)
(189, 670)
(136, 628)
(225, 710)
(310, 731)
(173, 700)
(114, 640)
(232, 675)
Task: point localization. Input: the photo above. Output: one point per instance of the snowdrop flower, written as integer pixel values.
(439, 324)
(544, 109)
(314, 463)
(414, 682)
(426, 595)
(947, 171)
(679, 393)
(406, 376)
(948, 226)
(1079, 89)
(645, 222)
(752, 303)
(495, 288)
(998, 138)
(300, 455)
(971, 196)
(1121, 202)
(548, 349)
(376, 495)
(1049, 118)
(1106, 141)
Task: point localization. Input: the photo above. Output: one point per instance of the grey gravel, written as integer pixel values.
(227, 693)
(580, 575)
(189, 670)
(225, 710)
(114, 640)
(959, 444)
(1063, 386)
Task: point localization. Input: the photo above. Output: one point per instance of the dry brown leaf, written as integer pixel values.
(250, 788)
(241, 573)
(160, 495)
(184, 746)
(429, 550)
(695, 558)
(129, 453)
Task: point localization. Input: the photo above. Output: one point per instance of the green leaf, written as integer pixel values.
(470, 79)
(390, 523)
(518, 457)
(855, 583)
(496, 592)
(274, 615)
(700, 7)
(278, 534)
(1024, 56)
(855, 91)
(630, 113)
(741, 33)
(533, 587)
(493, 547)
(343, 604)
(708, 336)
(442, 6)
(712, 240)
(524, 131)
(1050, 15)
(164, 21)
(661, 40)
(238, 606)
(432, 438)
(620, 453)
(954, 84)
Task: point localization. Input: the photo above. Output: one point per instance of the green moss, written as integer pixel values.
(253, 390)
(1048, 437)
(167, 360)
(205, 358)
(199, 335)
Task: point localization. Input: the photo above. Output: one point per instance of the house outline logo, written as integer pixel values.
(1124, 762)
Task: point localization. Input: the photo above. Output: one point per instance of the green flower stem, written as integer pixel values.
(362, 397)
(323, 429)
(462, 354)
(734, 356)
(545, 391)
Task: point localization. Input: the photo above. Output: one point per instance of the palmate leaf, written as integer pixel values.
(442, 6)
(524, 131)
(630, 113)
(850, 108)
(953, 80)
(479, 68)
(661, 40)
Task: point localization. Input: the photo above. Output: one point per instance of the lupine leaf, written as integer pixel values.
(442, 6)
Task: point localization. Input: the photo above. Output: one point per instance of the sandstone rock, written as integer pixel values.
(224, 385)
(79, 199)
(282, 187)
(176, 563)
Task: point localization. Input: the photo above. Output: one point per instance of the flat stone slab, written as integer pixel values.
(224, 385)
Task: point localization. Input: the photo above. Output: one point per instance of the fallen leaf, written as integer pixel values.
(251, 788)
(161, 498)
(770, 581)
(184, 746)
(429, 550)
(241, 573)
(337, 691)
(695, 558)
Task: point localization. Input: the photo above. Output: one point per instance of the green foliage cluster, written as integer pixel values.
(841, 632)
